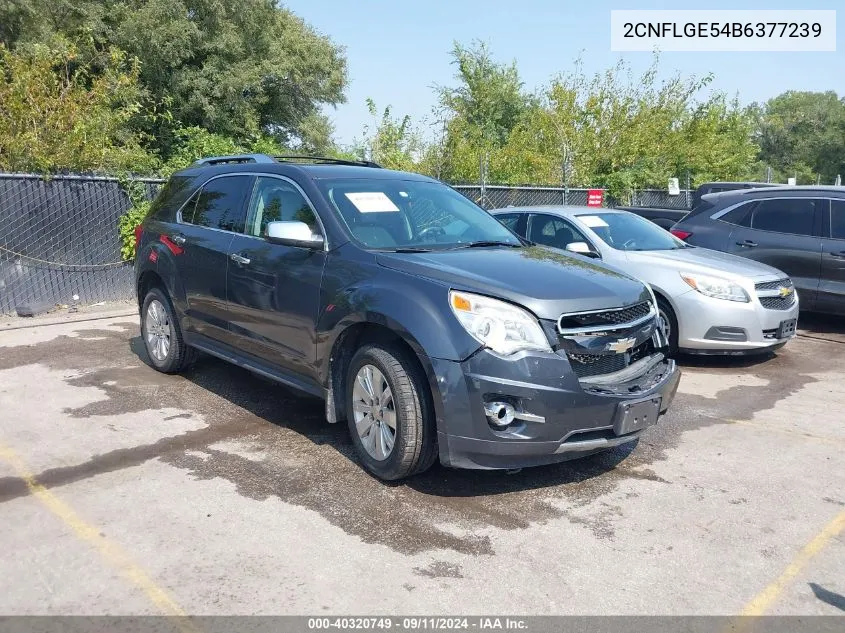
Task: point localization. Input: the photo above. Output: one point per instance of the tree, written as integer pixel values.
(58, 115)
(480, 112)
(803, 133)
(239, 68)
(391, 142)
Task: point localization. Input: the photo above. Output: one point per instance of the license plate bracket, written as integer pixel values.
(787, 328)
(636, 415)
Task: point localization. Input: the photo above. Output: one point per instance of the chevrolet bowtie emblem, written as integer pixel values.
(621, 346)
(784, 291)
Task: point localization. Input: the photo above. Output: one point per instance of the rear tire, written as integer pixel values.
(667, 314)
(388, 412)
(162, 335)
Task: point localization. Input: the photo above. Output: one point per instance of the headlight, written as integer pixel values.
(716, 287)
(501, 326)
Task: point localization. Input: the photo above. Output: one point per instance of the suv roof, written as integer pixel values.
(315, 167)
(265, 158)
(710, 200)
(776, 190)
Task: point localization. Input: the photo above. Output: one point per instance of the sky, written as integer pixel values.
(398, 50)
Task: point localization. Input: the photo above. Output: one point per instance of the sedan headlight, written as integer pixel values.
(716, 287)
(501, 326)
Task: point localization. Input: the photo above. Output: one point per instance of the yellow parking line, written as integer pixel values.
(763, 600)
(110, 551)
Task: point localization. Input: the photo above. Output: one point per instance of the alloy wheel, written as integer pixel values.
(157, 331)
(374, 411)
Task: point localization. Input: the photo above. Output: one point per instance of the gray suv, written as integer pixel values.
(430, 328)
(799, 230)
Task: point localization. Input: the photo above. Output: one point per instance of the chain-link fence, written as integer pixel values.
(499, 196)
(59, 240)
(59, 237)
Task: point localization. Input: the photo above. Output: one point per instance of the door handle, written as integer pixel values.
(178, 239)
(840, 254)
(239, 259)
(747, 243)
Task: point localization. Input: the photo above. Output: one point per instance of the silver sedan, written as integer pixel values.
(711, 302)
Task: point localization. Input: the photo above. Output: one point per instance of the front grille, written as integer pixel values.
(605, 318)
(776, 302)
(585, 365)
(773, 285)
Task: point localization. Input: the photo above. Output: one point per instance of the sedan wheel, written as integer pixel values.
(374, 411)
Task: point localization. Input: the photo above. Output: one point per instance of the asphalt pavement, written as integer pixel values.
(125, 491)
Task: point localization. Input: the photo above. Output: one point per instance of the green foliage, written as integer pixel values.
(803, 134)
(237, 68)
(392, 143)
(126, 228)
(138, 210)
(60, 113)
(611, 129)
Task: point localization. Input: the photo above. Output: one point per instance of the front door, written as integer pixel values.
(784, 233)
(832, 283)
(274, 290)
(209, 222)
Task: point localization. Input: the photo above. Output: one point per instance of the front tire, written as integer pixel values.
(388, 412)
(670, 327)
(162, 335)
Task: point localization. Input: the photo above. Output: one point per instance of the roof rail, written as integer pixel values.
(327, 159)
(236, 158)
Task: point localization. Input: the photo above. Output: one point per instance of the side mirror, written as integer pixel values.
(293, 234)
(582, 248)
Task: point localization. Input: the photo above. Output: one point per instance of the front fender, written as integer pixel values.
(415, 309)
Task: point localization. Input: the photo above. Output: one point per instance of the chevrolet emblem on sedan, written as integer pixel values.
(622, 345)
(784, 291)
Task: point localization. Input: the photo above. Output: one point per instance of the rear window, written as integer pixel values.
(170, 197)
(741, 216)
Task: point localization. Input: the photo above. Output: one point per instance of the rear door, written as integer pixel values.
(785, 233)
(208, 224)
(832, 284)
(273, 290)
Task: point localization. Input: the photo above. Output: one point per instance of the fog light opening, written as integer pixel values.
(500, 414)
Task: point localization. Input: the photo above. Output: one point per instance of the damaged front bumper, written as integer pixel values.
(557, 415)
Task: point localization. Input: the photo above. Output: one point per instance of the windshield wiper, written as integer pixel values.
(481, 243)
(410, 249)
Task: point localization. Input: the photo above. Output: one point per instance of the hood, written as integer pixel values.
(546, 282)
(706, 262)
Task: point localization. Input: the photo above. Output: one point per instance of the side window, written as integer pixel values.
(220, 204)
(510, 220)
(837, 219)
(277, 200)
(740, 216)
(553, 231)
(795, 216)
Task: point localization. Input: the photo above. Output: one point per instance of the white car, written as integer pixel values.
(711, 302)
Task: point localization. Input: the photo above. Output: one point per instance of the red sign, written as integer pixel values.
(595, 197)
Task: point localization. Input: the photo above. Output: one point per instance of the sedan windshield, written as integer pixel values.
(412, 215)
(629, 232)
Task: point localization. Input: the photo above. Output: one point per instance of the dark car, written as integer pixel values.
(665, 218)
(429, 327)
(800, 230)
